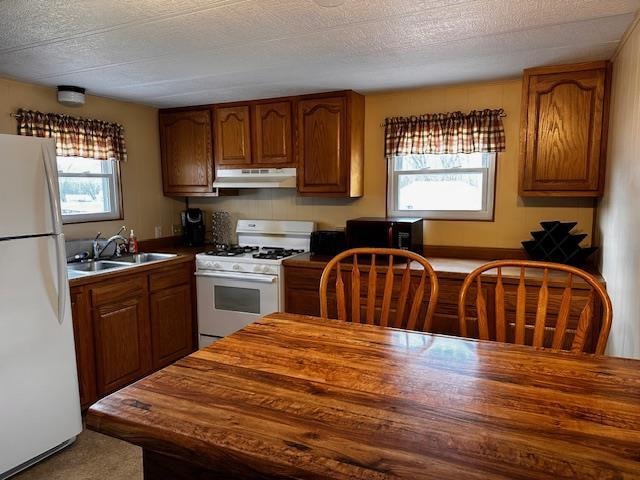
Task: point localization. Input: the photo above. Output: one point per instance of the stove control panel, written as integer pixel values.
(239, 267)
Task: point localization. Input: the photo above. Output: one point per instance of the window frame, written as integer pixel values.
(115, 194)
(489, 181)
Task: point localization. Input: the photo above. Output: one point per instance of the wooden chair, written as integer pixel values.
(408, 278)
(541, 326)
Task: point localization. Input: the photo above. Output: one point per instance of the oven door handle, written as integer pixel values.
(245, 277)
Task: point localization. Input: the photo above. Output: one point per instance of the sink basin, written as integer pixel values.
(98, 266)
(144, 257)
(82, 269)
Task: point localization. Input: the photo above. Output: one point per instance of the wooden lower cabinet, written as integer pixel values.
(83, 338)
(302, 297)
(171, 331)
(127, 326)
(122, 339)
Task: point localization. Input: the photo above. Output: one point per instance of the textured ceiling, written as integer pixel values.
(187, 52)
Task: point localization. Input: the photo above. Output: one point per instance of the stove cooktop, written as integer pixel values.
(274, 253)
(251, 251)
(231, 250)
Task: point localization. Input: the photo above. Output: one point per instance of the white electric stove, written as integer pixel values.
(238, 284)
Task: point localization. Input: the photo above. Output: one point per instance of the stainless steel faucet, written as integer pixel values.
(97, 249)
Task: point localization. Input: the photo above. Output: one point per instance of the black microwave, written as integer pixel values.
(385, 232)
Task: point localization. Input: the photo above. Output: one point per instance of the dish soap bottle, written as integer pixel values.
(133, 243)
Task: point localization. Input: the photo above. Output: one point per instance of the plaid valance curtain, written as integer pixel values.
(75, 136)
(456, 132)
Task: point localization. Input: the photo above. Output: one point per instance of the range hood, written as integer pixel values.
(255, 178)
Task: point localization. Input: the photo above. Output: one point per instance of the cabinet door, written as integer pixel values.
(322, 146)
(233, 144)
(563, 150)
(122, 339)
(83, 337)
(171, 324)
(272, 134)
(187, 162)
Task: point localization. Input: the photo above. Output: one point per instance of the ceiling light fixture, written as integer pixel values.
(71, 96)
(329, 3)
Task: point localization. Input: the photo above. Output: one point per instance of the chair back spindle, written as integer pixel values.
(585, 324)
(401, 298)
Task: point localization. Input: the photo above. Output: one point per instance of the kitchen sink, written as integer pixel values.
(144, 257)
(98, 266)
(91, 267)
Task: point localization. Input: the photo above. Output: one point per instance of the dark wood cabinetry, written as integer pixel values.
(171, 298)
(186, 152)
(83, 337)
(272, 134)
(128, 325)
(232, 136)
(563, 131)
(121, 339)
(322, 135)
(330, 145)
(302, 283)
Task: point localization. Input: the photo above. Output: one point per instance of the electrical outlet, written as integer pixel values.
(176, 229)
(158, 231)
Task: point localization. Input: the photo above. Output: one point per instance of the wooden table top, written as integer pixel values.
(299, 397)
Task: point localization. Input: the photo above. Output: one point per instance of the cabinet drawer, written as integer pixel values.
(170, 277)
(118, 289)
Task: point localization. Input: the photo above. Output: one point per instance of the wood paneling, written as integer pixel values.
(297, 397)
(186, 148)
(232, 136)
(83, 338)
(329, 139)
(563, 131)
(122, 340)
(272, 142)
(171, 324)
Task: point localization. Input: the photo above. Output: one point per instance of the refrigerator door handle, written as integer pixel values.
(61, 257)
(61, 254)
(54, 197)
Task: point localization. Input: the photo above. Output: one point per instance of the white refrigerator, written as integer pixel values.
(39, 400)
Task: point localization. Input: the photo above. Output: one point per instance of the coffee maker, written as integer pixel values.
(193, 227)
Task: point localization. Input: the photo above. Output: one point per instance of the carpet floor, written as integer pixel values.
(91, 457)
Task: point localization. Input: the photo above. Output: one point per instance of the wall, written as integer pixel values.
(144, 205)
(618, 219)
(513, 218)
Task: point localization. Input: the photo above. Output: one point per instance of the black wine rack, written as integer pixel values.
(556, 243)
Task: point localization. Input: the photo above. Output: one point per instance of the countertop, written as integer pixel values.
(452, 268)
(140, 268)
(291, 396)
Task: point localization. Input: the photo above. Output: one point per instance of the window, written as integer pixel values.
(456, 186)
(89, 189)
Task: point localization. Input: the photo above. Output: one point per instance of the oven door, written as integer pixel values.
(228, 301)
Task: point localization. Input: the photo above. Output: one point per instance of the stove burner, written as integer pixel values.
(276, 253)
(231, 250)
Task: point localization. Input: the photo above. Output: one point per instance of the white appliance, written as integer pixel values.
(39, 400)
(255, 178)
(239, 284)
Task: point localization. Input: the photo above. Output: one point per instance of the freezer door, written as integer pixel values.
(26, 206)
(39, 403)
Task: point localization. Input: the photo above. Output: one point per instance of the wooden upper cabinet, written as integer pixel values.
(232, 136)
(564, 124)
(272, 146)
(330, 144)
(186, 149)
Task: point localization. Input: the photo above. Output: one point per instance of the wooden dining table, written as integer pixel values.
(291, 396)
